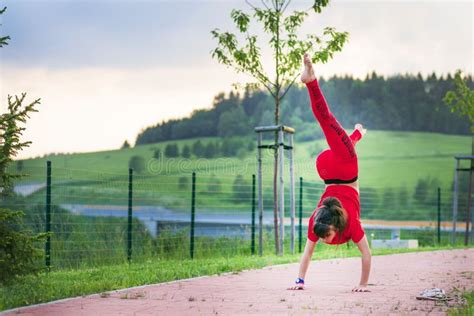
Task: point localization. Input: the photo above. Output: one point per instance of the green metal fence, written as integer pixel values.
(101, 218)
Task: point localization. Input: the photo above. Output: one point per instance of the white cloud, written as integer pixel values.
(97, 109)
(87, 108)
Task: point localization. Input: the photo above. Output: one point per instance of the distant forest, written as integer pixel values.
(397, 103)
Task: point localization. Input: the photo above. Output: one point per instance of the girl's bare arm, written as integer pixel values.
(364, 249)
(304, 263)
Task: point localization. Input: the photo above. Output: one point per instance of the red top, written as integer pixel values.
(349, 198)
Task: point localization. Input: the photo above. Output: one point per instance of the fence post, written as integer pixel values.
(48, 216)
(252, 245)
(300, 228)
(193, 204)
(455, 201)
(468, 211)
(281, 198)
(129, 228)
(439, 215)
(292, 196)
(260, 195)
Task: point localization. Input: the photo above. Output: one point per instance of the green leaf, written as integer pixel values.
(293, 21)
(241, 20)
(288, 49)
(319, 4)
(3, 40)
(461, 99)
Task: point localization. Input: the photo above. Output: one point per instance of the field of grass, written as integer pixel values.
(387, 159)
(391, 164)
(70, 283)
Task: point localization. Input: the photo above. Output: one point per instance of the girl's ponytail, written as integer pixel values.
(339, 218)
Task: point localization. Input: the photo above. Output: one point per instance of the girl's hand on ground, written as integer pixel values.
(361, 288)
(296, 287)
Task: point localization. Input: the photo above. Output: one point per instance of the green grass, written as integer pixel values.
(387, 159)
(466, 309)
(55, 285)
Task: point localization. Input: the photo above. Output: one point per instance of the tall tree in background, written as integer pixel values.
(287, 50)
(125, 145)
(137, 163)
(462, 100)
(18, 253)
(10, 131)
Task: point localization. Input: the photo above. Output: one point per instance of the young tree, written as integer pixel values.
(157, 153)
(125, 145)
(186, 153)
(462, 101)
(287, 51)
(210, 150)
(10, 133)
(137, 163)
(171, 150)
(198, 149)
(18, 253)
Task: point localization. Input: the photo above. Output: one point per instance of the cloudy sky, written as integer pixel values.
(106, 69)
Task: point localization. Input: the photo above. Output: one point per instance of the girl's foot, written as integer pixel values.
(308, 74)
(361, 129)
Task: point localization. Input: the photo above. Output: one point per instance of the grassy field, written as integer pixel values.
(391, 164)
(70, 283)
(387, 159)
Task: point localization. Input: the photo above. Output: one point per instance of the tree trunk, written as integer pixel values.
(279, 251)
(468, 211)
(275, 178)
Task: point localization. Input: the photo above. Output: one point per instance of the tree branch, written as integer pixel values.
(286, 6)
(265, 78)
(269, 90)
(251, 5)
(263, 2)
(290, 85)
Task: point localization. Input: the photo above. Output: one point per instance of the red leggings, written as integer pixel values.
(341, 160)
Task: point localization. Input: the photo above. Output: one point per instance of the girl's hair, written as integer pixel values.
(330, 213)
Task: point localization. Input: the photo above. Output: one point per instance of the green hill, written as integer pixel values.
(389, 162)
(386, 159)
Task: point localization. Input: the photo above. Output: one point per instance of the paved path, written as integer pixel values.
(397, 280)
